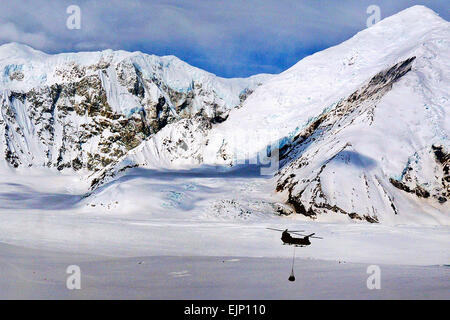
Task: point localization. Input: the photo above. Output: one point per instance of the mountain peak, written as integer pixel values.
(19, 50)
(419, 9)
(413, 17)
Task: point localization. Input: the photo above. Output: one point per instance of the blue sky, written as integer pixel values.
(231, 38)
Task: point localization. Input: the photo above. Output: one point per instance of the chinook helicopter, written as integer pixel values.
(298, 242)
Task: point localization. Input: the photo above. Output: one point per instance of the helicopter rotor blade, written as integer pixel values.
(275, 229)
(309, 235)
(298, 234)
(290, 231)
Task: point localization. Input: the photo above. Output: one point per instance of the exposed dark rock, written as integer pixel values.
(408, 181)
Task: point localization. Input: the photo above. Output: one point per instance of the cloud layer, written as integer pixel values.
(230, 38)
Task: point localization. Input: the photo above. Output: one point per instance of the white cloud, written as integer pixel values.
(232, 37)
(10, 33)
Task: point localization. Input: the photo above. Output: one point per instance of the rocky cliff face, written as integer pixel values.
(426, 175)
(84, 111)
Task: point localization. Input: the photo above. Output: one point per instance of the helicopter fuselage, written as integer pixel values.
(288, 239)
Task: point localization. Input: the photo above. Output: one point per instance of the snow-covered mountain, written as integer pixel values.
(85, 110)
(382, 150)
(362, 128)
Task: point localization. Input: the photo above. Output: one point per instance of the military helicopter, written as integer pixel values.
(290, 240)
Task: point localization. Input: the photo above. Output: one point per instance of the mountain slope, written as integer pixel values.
(351, 160)
(288, 102)
(382, 153)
